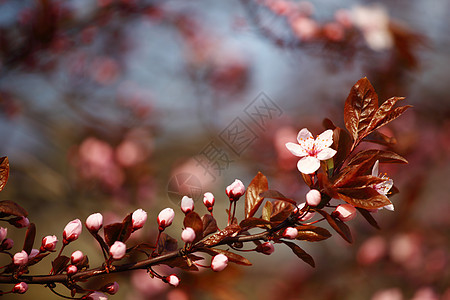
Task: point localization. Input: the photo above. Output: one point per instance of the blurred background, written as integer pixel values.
(113, 105)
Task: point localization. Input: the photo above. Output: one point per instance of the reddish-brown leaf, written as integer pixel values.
(37, 258)
(385, 114)
(194, 221)
(312, 233)
(253, 222)
(281, 210)
(273, 194)
(368, 156)
(301, 253)
(360, 107)
(267, 211)
(232, 257)
(221, 235)
(339, 226)
(209, 224)
(368, 216)
(4, 171)
(182, 263)
(166, 243)
(8, 208)
(29, 238)
(60, 264)
(342, 142)
(253, 199)
(366, 197)
(363, 181)
(118, 231)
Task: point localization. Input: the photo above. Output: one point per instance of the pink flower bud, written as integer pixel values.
(188, 235)
(235, 190)
(304, 217)
(97, 296)
(76, 257)
(313, 197)
(117, 250)
(165, 218)
(22, 222)
(139, 217)
(20, 288)
(208, 200)
(94, 222)
(71, 269)
(20, 258)
(72, 231)
(265, 248)
(111, 288)
(7, 244)
(290, 233)
(49, 243)
(173, 280)
(3, 233)
(219, 262)
(187, 204)
(345, 212)
(33, 254)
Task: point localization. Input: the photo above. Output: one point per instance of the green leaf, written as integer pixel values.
(360, 107)
(301, 253)
(253, 199)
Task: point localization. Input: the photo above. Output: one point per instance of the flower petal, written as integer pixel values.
(303, 135)
(326, 153)
(324, 140)
(296, 149)
(389, 207)
(384, 187)
(308, 165)
(375, 168)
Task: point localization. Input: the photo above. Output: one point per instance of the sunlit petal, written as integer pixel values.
(326, 153)
(324, 140)
(296, 149)
(375, 168)
(304, 135)
(308, 165)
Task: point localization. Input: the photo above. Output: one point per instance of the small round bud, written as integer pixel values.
(265, 248)
(7, 244)
(188, 235)
(72, 231)
(3, 233)
(33, 254)
(76, 257)
(345, 212)
(290, 233)
(97, 296)
(219, 262)
(94, 222)
(173, 280)
(118, 250)
(111, 288)
(49, 243)
(139, 218)
(208, 200)
(22, 222)
(20, 288)
(71, 269)
(304, 217)
(165, 218)
(187, 204)
(313, 197)
(235, 190)
(20, 258)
